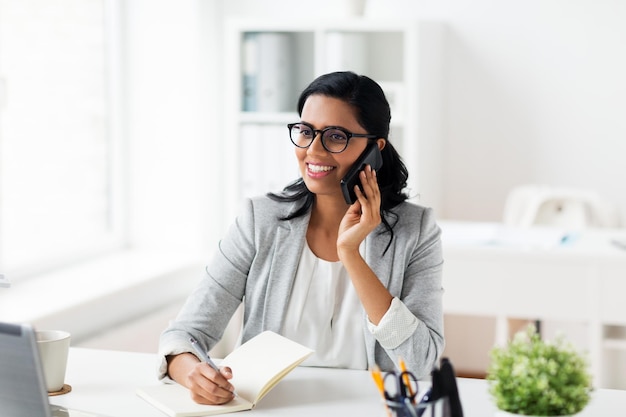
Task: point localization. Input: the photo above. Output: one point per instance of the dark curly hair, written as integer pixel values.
(373, 113)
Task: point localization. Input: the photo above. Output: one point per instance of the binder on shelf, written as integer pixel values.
(249, 70)
(274, 78)
(346, 51)
(267, 71)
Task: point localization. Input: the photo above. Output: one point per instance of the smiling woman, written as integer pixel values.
(59, 198)
(360, 283)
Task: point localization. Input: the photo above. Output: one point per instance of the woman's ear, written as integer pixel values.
(381, 143)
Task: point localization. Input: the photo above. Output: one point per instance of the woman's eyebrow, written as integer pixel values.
(322, 128)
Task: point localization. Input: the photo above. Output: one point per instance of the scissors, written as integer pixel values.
(399, 388)
(398, 394)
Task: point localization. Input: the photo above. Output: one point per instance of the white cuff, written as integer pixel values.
(397, 325)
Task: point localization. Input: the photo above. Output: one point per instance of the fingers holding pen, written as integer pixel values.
(209, 386)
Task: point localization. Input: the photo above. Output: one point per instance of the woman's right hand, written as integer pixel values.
(207, 386)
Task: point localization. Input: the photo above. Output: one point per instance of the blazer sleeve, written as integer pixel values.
(421, 292)
(212, 303)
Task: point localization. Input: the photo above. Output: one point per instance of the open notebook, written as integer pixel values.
(258, 365)
(22, 385)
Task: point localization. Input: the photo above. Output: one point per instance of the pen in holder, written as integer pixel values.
(401, 399)
(437, 408)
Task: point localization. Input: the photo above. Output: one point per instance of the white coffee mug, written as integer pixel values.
(54, 346)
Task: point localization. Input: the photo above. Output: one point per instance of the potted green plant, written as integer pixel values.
(534, 377)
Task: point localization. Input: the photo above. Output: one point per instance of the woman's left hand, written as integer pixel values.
(363, 216)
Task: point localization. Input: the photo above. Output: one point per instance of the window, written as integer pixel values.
(60, 162)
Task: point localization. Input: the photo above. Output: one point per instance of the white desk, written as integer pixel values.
(527, 273)
(105, 382)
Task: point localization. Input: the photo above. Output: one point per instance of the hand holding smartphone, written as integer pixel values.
(370, 156)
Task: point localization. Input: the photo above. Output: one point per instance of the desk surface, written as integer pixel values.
(105, 382)
(596, 243)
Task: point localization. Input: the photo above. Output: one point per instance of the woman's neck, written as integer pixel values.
(323, 228)
(327, 213)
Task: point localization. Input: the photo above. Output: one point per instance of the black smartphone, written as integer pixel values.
(370, 156)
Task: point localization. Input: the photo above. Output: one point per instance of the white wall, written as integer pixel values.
(540, 86)
(535, 93)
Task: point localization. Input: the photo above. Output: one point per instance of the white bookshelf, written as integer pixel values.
(403, 56)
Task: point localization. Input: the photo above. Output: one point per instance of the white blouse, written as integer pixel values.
(325, 314)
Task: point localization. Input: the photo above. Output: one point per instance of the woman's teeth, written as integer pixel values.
(319, 168)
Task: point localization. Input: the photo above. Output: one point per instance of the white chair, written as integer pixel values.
(570, 209)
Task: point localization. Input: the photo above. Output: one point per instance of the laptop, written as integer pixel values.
(22, 385)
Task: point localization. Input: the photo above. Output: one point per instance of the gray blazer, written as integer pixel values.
(256, 264)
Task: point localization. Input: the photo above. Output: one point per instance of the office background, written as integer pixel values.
(533, 92)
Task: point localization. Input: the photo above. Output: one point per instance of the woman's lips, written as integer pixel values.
(317, 171)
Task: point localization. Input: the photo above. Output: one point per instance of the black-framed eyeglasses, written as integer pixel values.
(334, 139)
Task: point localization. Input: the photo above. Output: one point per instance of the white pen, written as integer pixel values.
(203, 355)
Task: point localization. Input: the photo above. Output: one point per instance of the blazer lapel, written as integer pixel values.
(289, 243)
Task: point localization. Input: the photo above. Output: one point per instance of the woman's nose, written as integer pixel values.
(316, 146)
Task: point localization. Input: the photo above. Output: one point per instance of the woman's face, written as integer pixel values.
(322, 170)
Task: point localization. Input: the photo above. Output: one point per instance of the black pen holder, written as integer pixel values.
(439, 408)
